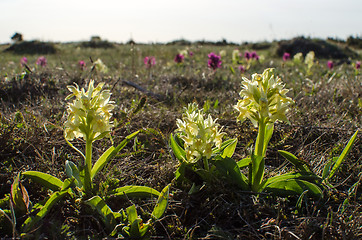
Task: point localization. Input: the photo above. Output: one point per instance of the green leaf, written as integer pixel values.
(110, 153)
(292, 187)
(230, 169)
(135, 192)
(300, 165)
(230, 148)
(308, 176)
(132, 213)
(243, 163)
(104, 210)
(101, 161)
(232, 70)
(140, 105)
(179, 152)
(180, 172)
(300, 200)
(161, 204)
(19, 196)
(72, 171)
(327, 167)
(343, 155)
(268, 134)
(67, 183)
(44, 179)
(258, 163)
(32, 220)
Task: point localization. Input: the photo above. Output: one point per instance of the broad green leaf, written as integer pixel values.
(230, 169)
(224, 144)
(268, 134)
(138, 229)
(72, 171)
(180, 172)
(179, 152)
(258, 163)
(104, 210)
(67, 183)
(343, 155)
(19, 196)
(32, 220)
(101, 161)
(44, 179)
(243, 163)
(131, 214)
(300, 165)
(110, 153)
(135, 192)
(161, 204)
(134, 231)
(292, 187)
(308, 176)
(230, 148)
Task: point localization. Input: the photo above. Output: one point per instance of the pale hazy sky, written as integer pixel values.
(166, 20)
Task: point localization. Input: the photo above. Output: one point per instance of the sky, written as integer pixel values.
(149, 21)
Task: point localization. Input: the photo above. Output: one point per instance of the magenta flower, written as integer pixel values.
(286, 56)
(358, 65)
(254, 55)
(247, 55)
(214, 61)
(191, 54)
(241, 68)
(179, 58)
(149, 61)
(81, 64)
(23, 61)
(330, 64)
(42, 61)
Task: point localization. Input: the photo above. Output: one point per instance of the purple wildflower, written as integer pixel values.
(241, 68)
(81, 64)
(191, 54)
(254, 55)
(214, 61)
(179, 58)
(247, 55)
(330, 64)
(149, 61)
(286, 56)
(358, 65)
(23, 61)
(42, 61)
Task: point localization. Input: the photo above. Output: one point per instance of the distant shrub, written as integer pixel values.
(354, 42)
(32, 47)
(97, 44)
(321, 48)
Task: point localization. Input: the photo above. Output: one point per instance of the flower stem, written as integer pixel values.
(206, 164)
(259, 147)
(88, 166)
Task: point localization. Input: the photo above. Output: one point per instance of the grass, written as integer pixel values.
(327, 112)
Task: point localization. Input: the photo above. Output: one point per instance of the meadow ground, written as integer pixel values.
(327, 111)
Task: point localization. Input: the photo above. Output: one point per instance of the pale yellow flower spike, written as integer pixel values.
(263, 99)
(199, 135)
(89, 114)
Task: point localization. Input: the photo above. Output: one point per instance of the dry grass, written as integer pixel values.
(326, 114)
